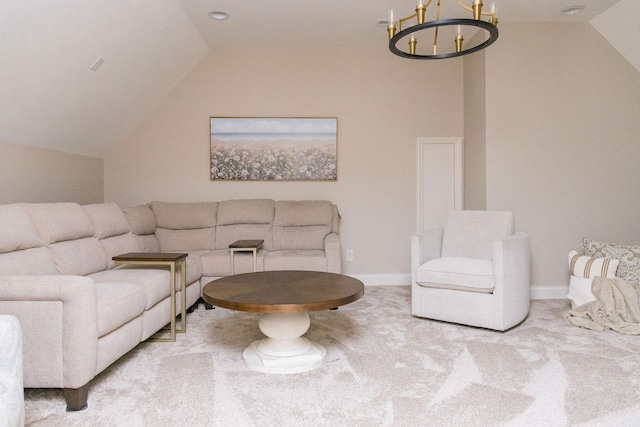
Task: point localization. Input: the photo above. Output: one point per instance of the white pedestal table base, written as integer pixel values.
(285, 350)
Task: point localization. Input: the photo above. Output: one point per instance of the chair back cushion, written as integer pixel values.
(471, 234)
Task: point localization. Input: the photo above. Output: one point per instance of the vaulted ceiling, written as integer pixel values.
(51, 97)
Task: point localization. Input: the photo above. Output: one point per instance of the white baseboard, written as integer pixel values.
(383, 279)
(399, 279)
(549, 292)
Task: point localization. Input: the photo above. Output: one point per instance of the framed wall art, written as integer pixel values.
(277, 149)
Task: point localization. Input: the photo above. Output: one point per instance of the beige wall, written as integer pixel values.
(560, 139)
(32, 174)
(475, 132)
(383, 103)
(563, 140)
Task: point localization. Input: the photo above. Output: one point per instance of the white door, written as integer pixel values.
(440, 180)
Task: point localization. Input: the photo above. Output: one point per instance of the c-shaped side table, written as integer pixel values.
(171, 260)
(245, 246)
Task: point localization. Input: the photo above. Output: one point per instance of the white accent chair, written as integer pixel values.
(11, 389)
(475, 271)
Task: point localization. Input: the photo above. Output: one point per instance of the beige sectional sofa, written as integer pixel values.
(79, 312)
(298, 235)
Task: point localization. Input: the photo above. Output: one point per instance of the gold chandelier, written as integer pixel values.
(480, 32)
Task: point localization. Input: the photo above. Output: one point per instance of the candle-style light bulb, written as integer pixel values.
(412, 44)
(420, 11)
(477, 9)
(494, 13)
(459, 39)
(391, 26)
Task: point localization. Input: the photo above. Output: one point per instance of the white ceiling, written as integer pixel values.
(50, 98)
(304, 23)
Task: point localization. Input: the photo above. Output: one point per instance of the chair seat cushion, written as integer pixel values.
(465, 274)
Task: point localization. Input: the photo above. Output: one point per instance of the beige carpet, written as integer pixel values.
(384, 368)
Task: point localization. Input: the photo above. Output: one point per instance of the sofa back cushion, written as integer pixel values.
(112, 230)
(245, 219)
(185, 226)
(16, 230)
(21, 249)
(143, 226)
(34, 261)
(302, 224)
(471, 234)
(67, 231)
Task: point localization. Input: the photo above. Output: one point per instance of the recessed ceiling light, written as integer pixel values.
(220, 16)
(572, 10)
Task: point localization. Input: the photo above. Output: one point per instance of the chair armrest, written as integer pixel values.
(426, 246)
(58, 317)
(11, 390)
(512, 268)
(333, 252)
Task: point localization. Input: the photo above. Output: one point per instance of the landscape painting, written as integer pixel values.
(279, 149)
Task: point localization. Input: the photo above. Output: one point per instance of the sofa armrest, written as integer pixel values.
(425, 246)
(333, 252)
(58, 316)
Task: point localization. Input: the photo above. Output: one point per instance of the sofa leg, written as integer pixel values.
(76, 398)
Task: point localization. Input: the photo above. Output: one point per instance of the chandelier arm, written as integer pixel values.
(435, 35)
(464, 6)
(405, 19)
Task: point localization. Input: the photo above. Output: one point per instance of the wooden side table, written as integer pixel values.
(245, 246)
(173, 261)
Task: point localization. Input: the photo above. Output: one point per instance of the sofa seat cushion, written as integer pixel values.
(311, 260)
(466, 274)
(154, 282)
(218, 263)
(118, 303)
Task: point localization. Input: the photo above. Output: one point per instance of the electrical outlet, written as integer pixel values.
(349, 254)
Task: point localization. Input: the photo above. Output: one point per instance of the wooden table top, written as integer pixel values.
(246, 244)
(283, 291)
(150, 256)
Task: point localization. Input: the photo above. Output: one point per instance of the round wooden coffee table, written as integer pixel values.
(285, 297)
